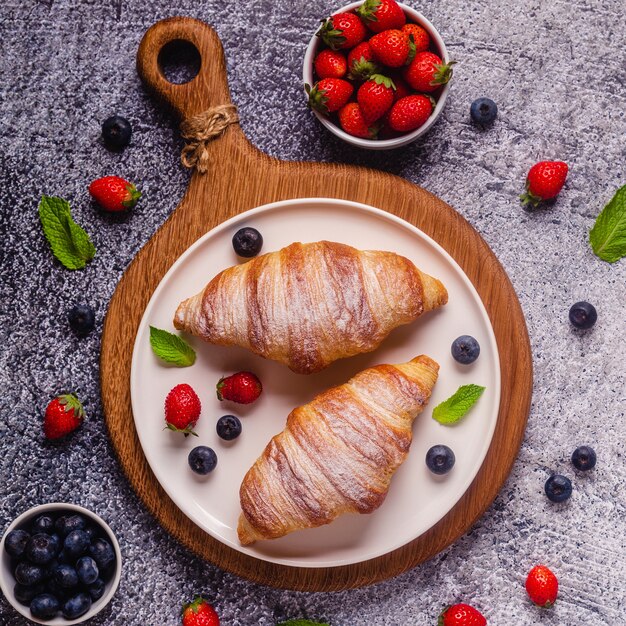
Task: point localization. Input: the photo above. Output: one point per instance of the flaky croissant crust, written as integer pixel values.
(337, 453)
(308, 305)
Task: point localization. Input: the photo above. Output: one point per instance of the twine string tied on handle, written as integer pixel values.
(200, 129)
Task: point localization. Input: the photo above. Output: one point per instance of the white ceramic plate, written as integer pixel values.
(417, 499)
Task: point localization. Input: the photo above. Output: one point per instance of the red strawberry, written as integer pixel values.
(421, 40)
(342, 31)
(352, 121)
(329, 94)
(391, 48)
(545, 180)
(427, 72)
(375, 97)
(199, 613)
(242, 387)
(113, 193)
(410, 112)
(63, 415)
(542, 586)
(182, 409)
(361, 63)
(380, 15)
(330, 64)
(461, 615)
(402, 89)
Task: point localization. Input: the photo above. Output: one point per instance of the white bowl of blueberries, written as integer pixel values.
(60, 564)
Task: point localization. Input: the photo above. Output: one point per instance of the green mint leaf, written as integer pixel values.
(608, 235)
(302, 622)
(171, 348)
(70, 244)
(450, 411)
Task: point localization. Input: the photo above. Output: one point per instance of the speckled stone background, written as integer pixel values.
(558, 72)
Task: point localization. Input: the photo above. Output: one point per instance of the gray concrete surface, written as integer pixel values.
(558, 72)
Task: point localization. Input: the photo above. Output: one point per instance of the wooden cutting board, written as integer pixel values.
(240, 178)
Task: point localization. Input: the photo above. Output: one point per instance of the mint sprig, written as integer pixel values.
(450, 411)
(608, 235)
(171, 348)
(302, 622)
(70, 244)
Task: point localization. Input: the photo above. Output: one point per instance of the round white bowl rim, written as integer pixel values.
(98, 605)
(395, 142)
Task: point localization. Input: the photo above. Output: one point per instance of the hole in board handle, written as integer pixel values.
(179, 61)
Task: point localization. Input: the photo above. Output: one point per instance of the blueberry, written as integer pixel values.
(44, 606)
(583, 315)
(43, 524)
(584, 458)
(440, 459)
(53, 587)
(92, 532)
(247, 242)
(15, 543)
(96, 589)
(102, 553)
(58, 543)
(77, 605)
(67, 523)
(25, 594)
(483, 111)
(558, 488)
(87, 570)
(82, 319)
(75, 544)
(65, 576)
(41, 549)
(202, 460)
(116, 132)
(29, 574)
(228, 427)
(465, 349)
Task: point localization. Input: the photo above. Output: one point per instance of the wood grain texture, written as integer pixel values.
(240, 178)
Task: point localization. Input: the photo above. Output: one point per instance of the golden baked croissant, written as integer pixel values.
(337, 453)
(308, 305)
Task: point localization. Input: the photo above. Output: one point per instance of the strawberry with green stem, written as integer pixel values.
(329, 94)
(342, 31)
(427, 72)
(544, 182)
(64, 414)
(392, 48)
(182, 409)
(352, 121)
(114, 194)
(380, 15)
(375, 97)
(199, 613)
(361, 64)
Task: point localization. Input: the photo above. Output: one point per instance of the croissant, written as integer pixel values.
(337, 453)
(308, 305)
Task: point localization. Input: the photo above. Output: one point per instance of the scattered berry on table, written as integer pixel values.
(242, 387)
(82, 319)
(182, 409)
(542, 586)
(44, 606)
(380, 15)
(465, 349)
(421, 39)
(63, 415)
(75, 543)
(330, 64)
(375, 97)
(116, 132)
(361, 63)
(427, 72)
(202, 460)
(16, 542)
(584, 458)
(114, 194)
(43, 524)
(391, 48)
(440, 459)
(199, 613)
(87, 570)
(558, 488)
(351, 120)
(483, 111)
(77, 605)
(247, 242)
(329, 94)
(342, 31)
(228, 427)
(29, 574)
(461, 615)
(41, 549)
(68, 523)
(544, 182)
(101, 551)
(96, 589)
(583, 315)
(65, 576)
(410, 113)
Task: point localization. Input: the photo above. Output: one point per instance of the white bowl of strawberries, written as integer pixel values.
(376, 74)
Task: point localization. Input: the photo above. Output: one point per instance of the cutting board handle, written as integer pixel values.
(208, 88)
